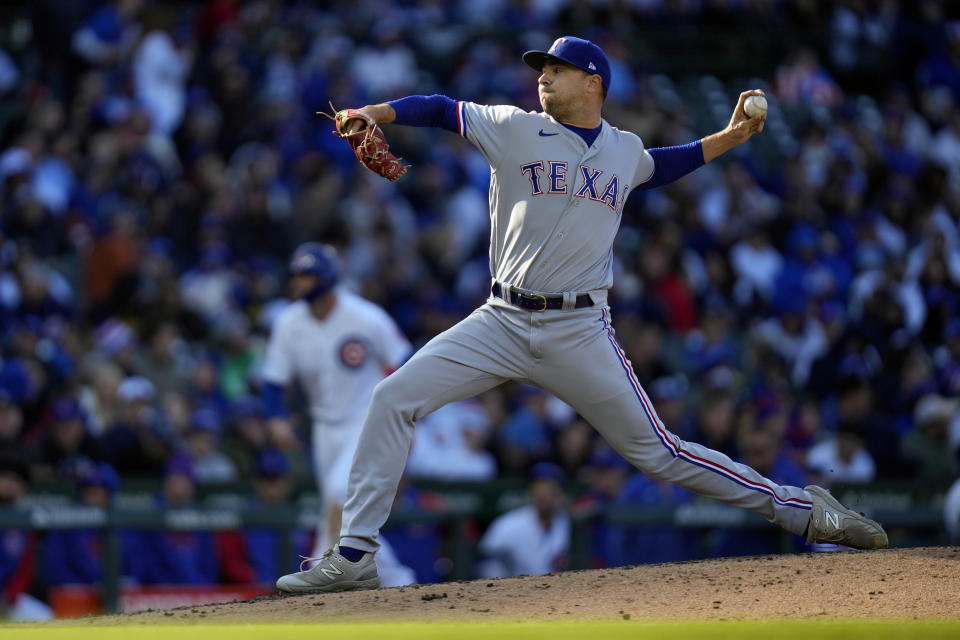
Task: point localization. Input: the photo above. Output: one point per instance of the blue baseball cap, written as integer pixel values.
(546, 471)
(247, 406)
(205, 419)
(272, 463)
(180, 463)
(99, 474)
(952, 329)
(66, 408)
(604, 457)
(581, 53)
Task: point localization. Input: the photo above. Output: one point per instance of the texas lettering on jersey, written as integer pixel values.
(556, 202)
(550, 177)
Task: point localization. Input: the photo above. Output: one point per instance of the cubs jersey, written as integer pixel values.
(337, 361)
(555, 203)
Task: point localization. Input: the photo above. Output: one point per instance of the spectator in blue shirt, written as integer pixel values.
(67, 437)
(170, 556)
(273, 483)
(18, 548)
(762, 450)
(652, 543)
(605, 475)
(75, 556)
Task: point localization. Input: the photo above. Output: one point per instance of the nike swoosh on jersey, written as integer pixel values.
(548, 134)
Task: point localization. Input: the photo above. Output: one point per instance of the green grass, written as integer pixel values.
(764, 630)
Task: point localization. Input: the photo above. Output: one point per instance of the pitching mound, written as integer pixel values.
(895, 583)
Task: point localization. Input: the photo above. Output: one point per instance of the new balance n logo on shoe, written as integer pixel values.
(832, 518)
(331, 571)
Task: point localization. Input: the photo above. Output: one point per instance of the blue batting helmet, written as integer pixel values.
(320, 261)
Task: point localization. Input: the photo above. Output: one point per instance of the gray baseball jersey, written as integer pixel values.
(555, 203)
(555, 207)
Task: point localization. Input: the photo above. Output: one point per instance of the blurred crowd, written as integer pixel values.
(160, 161)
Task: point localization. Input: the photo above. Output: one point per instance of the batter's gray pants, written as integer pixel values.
(572, 354)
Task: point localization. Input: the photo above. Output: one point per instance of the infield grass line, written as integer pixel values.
(723, 630)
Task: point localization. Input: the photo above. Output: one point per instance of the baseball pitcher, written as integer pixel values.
(559, 179)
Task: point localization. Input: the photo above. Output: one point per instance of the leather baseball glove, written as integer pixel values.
(368, 143)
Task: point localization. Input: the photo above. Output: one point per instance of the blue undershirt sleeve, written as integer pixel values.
(274, 405)
(672, 163)
(426, 111)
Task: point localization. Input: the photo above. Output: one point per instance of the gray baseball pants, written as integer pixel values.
(571, 354)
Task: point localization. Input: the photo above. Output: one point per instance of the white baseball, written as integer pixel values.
(755, 106)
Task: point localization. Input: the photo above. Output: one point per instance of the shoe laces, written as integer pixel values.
(306, 559)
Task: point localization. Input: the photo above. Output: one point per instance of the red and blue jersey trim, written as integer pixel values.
(679, 452)
(461, 118)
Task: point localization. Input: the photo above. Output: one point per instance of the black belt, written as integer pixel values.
(536, 301)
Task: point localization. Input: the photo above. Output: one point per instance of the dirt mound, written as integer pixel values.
(894, 583)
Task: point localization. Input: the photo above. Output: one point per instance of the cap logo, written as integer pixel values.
(556, 43)
(304, 261)
(592, 67)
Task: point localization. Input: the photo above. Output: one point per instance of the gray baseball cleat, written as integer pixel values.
(830, 521)
(332, 573)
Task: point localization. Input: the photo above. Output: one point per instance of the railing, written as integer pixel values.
(46, 517)
(911, 518)
(909, 527)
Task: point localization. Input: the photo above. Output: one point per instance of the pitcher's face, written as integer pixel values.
(561, 86)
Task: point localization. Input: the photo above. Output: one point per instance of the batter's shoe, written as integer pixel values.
(332, 573)
(830, 521)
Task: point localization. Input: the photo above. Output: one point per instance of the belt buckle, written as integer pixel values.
(542, 300)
